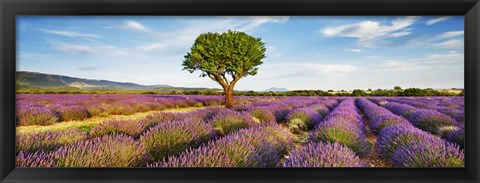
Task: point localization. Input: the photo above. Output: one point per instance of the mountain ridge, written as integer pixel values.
(49, 81)
(276, 89)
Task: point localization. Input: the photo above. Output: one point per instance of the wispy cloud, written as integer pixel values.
(436, 20)
(69, 33)
(182, 38)
(368, 33)
(89, 49)
(256, 21)
(450, 57)
(454, 43)
(134, 25)
(372, 57)
(400, 34)
(445, 60)
(152, 47)
(307, 69)
(74, 48)
(93, 68)
(300, 53)
(353, 50)
(330, 68)
(438, 41)
(273, 51)
(450, 34)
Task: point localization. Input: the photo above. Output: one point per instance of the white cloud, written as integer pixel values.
(273, 51)
(135, 26)
(369, 32)
(455, 43)
(306, 69)
(436, 20)
(373, 57)
(89, 49)
(353, 50)
(154, 46)
(445, 60)
(273, 19)
(331, 68)
(69, 33)
(450, 34)
(257, 21)
(182, 38)
(74, 48)
(452, 56)
(400, 34)
(436, 41)
(396, 65)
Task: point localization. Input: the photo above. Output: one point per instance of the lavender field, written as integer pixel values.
(116, 130)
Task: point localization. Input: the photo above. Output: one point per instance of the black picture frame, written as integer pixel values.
(9, 9)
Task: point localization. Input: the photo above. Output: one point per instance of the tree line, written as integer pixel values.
(396, 91)
(358, 92)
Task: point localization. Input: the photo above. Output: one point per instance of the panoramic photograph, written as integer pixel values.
(240, 91)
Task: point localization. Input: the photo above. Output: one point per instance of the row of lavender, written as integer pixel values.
(453, 107)
(47, 109)
(428, 120)
(335, 142)
(339, 140)
(252, 147)
(405, 145)
(159, 136)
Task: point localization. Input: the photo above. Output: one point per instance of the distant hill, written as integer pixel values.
(50, 81)
(274, 89)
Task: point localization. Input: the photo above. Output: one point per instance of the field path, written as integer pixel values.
(93, 121)
(373, 158)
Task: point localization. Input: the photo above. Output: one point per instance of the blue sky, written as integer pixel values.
(323, 52)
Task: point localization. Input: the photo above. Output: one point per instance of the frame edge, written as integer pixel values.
(472, 47)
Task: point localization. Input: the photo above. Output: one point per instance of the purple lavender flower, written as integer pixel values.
(241, 107)
(380, 122)
(73, 112)
(395, 136)
(36, 159)
(457, 135)
(105, 151)
(304, 118)
(174, 137)
(262, 114)
(280, 110)
(35, 115)
(431, 121)
(458, 115)
(260, 146)
(323, 154)
(162, 117)
(400, 109)
(229, 121)
(129, 127)
(99, 105)
(209, 113)
(343, 132)
(428, 154)
(48, 141)
(378, 116)
(345, 126)
(321, 108)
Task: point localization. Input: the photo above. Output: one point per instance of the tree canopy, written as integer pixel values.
(225, 58)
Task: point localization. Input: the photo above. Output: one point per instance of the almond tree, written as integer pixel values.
(225, 58)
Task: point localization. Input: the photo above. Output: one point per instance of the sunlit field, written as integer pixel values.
(197, 131)
(240, 91)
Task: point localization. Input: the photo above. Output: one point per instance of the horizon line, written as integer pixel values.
(237, 90)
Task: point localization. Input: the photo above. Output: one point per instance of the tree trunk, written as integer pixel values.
(229, 98)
